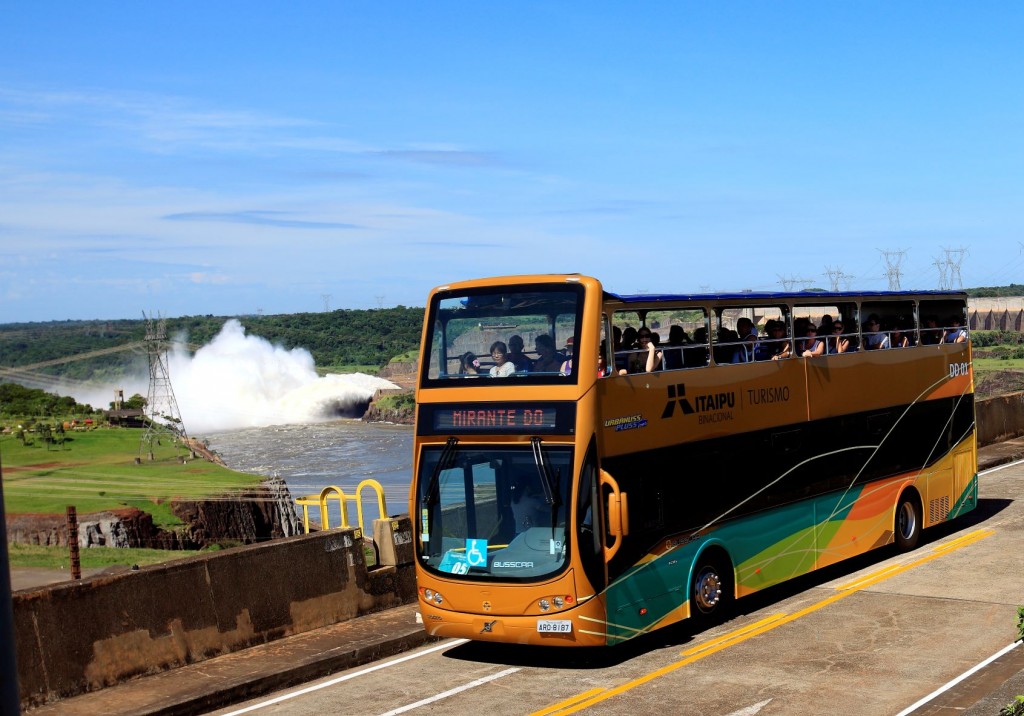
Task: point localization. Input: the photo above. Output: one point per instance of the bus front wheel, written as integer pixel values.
(908, 521)
(711, 591)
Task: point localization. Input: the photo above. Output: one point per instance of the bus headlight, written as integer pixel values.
(545, 605)
(558, 601)
(431, 596)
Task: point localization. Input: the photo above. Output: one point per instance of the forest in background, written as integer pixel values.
(339, 340)
(336, 339)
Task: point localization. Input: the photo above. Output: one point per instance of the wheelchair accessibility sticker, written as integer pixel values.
(476, 552)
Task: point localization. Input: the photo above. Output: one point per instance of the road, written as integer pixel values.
(871, 636)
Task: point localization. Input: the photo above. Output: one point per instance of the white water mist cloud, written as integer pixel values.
(239, 381)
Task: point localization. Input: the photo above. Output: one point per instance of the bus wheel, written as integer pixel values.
(908, 521)
(711, 592)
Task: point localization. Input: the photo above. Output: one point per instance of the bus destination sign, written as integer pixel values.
(498, 418)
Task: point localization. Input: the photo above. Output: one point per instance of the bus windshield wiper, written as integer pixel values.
(548, 482)
(443, 463)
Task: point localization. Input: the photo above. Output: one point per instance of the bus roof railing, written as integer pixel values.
(802, 296)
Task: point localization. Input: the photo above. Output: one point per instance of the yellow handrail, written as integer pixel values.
(325, 494)
(335, 492)
(381, 508)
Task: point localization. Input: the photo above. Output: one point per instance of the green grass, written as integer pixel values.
(983, 365)
(328, 369)
(95, 470)
(31, 555)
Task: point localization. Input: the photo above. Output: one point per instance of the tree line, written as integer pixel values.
(336, 339)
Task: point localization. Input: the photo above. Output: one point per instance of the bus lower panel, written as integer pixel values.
(690, 485)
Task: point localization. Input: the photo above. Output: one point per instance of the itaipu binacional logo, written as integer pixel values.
(710, 407)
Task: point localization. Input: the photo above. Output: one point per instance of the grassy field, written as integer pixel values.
(95, 470)
(30, 555)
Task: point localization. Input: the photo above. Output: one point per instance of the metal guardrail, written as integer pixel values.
(333, 492)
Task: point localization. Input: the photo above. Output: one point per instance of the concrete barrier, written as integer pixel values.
(1000, 418)
(81, 636)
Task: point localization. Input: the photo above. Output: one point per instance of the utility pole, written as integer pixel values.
(163, 416)
(10, 699)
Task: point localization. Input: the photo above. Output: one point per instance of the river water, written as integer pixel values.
(309, 457)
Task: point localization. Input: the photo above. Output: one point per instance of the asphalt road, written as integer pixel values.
(872, 636)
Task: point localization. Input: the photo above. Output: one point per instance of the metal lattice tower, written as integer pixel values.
(839, 280)
(941, 265)
(893, 259)
(954, 257)
(163, 416)
(789, 283)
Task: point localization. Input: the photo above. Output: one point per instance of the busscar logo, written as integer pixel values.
(488, 626)
(677, 394)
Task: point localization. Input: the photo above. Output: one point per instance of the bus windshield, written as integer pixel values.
(526, 334)
(497, 512)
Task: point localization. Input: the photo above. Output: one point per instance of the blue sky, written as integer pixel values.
(233, 157)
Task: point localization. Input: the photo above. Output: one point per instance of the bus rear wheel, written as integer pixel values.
(907, 527)
(711, 591)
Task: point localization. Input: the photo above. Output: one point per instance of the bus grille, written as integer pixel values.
(939, 509)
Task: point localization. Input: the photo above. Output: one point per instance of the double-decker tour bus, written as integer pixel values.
(589, 467)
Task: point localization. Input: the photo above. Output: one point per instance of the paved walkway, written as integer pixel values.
(231, 678)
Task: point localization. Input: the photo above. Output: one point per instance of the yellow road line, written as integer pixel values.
(569, 702)
(582, 701)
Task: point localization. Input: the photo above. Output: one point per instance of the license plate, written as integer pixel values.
(554, 626)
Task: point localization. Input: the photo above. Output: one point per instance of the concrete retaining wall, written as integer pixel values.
(1000, 418)
(81, 636)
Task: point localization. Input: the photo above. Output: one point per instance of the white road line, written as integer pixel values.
(957, 680)
(346, 677)
(997, 468)
(452, 692)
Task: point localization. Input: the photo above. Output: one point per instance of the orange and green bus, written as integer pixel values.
(567, 493)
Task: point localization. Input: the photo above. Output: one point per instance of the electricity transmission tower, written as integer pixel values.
(943, 274)
(893, 259)
(163, 416)
(838, 278)
(789, 283)
(954, 257)
(327, 302)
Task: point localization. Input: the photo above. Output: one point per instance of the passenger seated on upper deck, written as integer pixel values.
(747, 336)
(515, 354)
(726, 345)
(696, 356)
(648, 358)
(873, 338)
(837, 342)
(774, 346)
(898, 338)
(566, 367)
(673, 352)
(811, 345)
(954, 334)
(930, 332)
(502, 367)
(468, 364)
(548, 360)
